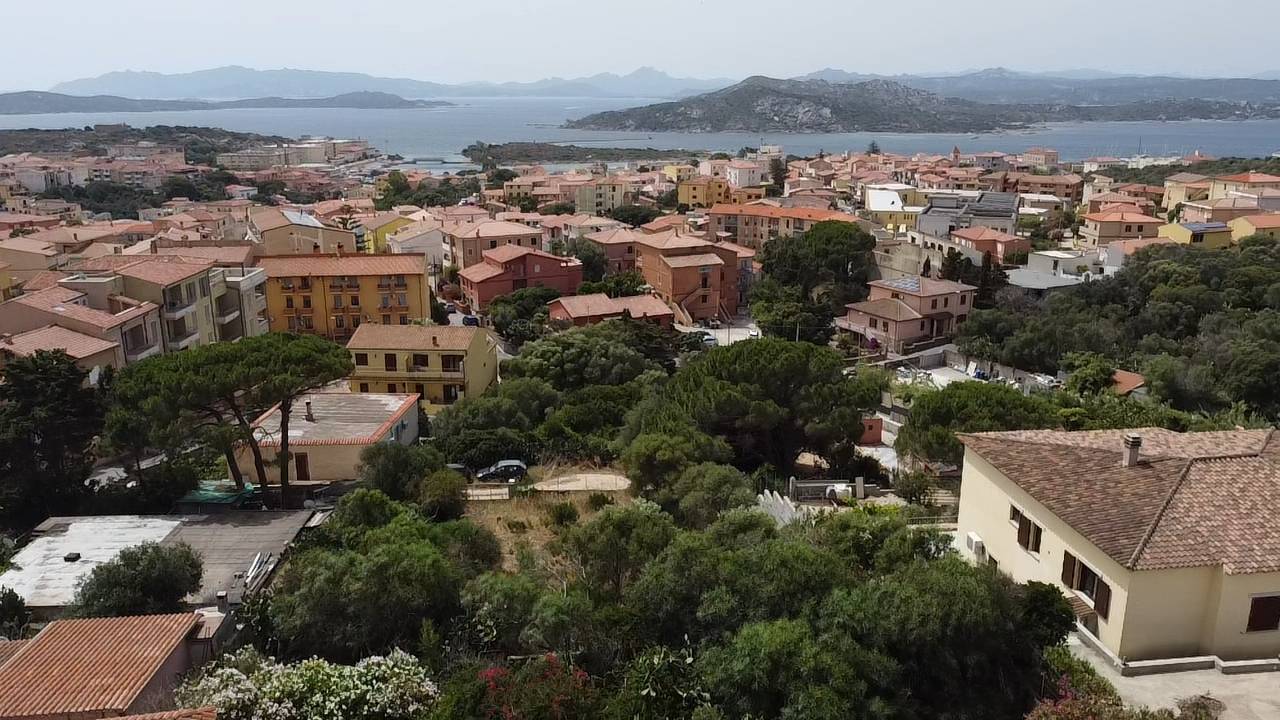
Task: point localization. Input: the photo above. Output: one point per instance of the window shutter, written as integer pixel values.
(1069, 570)
(1102, 602)
(1024, 531)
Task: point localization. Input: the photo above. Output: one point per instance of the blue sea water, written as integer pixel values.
(443, 132)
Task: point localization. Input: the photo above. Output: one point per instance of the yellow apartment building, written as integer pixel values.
(703, 192)
(332, 295)
(1213, 235)
(679, 173)
(442, 364)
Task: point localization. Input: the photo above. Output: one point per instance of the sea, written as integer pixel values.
(436, 136)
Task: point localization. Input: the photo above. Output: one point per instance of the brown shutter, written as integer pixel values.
(1102, 603)
(1024, 531)
(1069, 570)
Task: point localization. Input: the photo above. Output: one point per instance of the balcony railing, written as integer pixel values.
(175, 308)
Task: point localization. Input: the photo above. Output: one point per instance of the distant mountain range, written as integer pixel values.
(32, 102)
(233, 82)
(761, 104)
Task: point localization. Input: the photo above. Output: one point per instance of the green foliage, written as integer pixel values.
(988, 277)
(594, 261)
(965, 407)
(832, 260)
(655, 460)
(659, 684)
(522, 315)
(578, 358)
(48, 419)
(624, 284)
(396, 191)
(443, 495)
(146, 579)
(777, 177)
(1075, 675)
(707, 490)
(497, 608)
(1090, 373)
(598, 501)
(495, 179)
(782, 311)
(560, 208)
(13, 615)
(609, 550)
(635, 215)
(248, 686)
(562, 514)
(397, 470)
(914, 487)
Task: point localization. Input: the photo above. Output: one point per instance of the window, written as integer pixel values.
(451, 363)
(1140, 228)
(421, 390)
(389, 361)
(402, 300)
(420, 360)
(391, 387)
(364, 387)
(922, 322)
(1264, 613)
(386, 319)
(404, 319)
(288, 302)
(339, 322)
(946, 301)
(354, 301)
(1128, 228)
(385, 300)
(293, 323)
(1029, 533)
(871, 323)
(337, 301)
(934, 305)
(306, 301)
(1086, 581)
(493, 244)
(362, 358)
(964, 299)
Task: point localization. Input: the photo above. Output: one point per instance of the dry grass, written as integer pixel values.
(500, 516)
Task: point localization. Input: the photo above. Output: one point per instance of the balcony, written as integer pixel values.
(136, 354)
(183, 338)
(226, 315)
(178, 308)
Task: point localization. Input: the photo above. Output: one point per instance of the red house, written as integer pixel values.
(508, 268)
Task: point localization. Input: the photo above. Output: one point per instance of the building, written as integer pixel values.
(91, 353)
(1212, 235)
(1119, 222)
(423, 236)
(982, 240)
(103, 667)
(1165, 543)
(1248, 182)
(600, 196)
(906, 312)
(1041, 157)
(893, 205)
(1115, 255)
(25, 258)
(1221, 210)
(1184, 187)
(508, 268)
(47, 580)
(332, 295)
(702, 192)
(1247, 226)
(679, 173)
(465, 243)
(289, 232)
(379, 227)
(744, 173)
(590, 309)
(132, 325)
(329, 430)
(753, 225)
(441, 364)
(946, 213)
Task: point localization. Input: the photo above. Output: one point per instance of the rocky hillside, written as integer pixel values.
(760, 104)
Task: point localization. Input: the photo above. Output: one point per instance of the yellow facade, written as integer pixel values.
(1243, 227)
(703, 192)
(376, 238)
(435, 363)
(742, 196)
(1189, 235)
(679, 173)
(898, 220)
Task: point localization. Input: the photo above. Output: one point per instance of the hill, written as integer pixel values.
(236, 82)
(32, 102)
(200, 143)
(760, 104)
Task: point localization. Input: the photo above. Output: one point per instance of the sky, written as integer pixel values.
(523, 40)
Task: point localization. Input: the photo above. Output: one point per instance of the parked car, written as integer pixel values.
(508, 471)
(753, 333)
(471, 321)
(709, 340)
(450, 307)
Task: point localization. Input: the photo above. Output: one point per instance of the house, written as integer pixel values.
(1041, 157)
(697, 278)
(679, 173)
(22, 221)
(1213, 235)
(465, 243)
(744, 173)
(1243, 227)
(332, 295)
(46, 579)
(908, 311)
(289, 232)
(91, 353)
(103, 667)
(378, 227)
(600, 196)
(1184, 187)
(422, 236)
(508, 268)
(329, 430)
(892, 205)
(1102, 201)
(1247, 182)
(598, 307)
(441, 364)
(1119, 222)
(946, 213)
(1165, 543)
(1220, 210)
(27, 258)
(133, 325)
(983, 240)
(1114, 255)
(753, 225)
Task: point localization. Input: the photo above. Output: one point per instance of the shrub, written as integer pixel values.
(443, 496)
(598, 501)
(519, 527)
(562, 513)
(145, 579)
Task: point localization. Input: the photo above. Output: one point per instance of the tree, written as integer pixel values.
(397, 470)
(14, 615)
(635, 215)
(560, 208)
(777, 177)
(611, 549)
(706, 490)
(497, 608)
(48, 419)
(1091, 373)
(935, 418)
(520, 316)
(782, 311)
(592, 256)
(654, 461)
(443, 495)
(833, 257)
(499, 177)
(873, 148)
(578, 358)
(623, 284)
(146, 579)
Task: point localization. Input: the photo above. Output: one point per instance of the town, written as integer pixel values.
(304, 430)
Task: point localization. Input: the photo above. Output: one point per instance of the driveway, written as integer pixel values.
(1255, 696)
(585, 482)
(727, 334)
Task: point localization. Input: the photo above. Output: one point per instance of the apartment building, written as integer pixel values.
(703, 192)
(91, 353)
(907, 311)
(332, 295)
(1249, 182)
(507, 268)
(754, 225)
(1118, 222)
(25, 258)
(600, 196)
(466, 243)
(698, 279)
(289, 232)
(130, 325)
(442, 364)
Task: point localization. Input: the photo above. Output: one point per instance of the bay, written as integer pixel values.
(441, 133)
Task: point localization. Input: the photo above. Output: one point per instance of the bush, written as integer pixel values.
(598, 501)
(562, 513)
(443, 496)
(13, 614)
(914, 487)
(146, 579)
(1065, 671)
(518, 527)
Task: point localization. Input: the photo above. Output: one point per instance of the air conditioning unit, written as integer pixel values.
(975, 545)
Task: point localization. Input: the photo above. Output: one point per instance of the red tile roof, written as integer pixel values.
(204, 713)
(1267, 221)
(770, 211)
(53, 337)
(339, 265)
(94, 667)
(1250, 178)
(1122, 213)
(412, 337)
(1124, 382)
(981, 234)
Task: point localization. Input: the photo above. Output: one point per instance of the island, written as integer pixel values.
(35, 103)
(515, 153)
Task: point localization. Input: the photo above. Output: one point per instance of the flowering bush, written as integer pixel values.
(248, 686)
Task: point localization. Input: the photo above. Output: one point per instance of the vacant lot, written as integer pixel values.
(524, 521)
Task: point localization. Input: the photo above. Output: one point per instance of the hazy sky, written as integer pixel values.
(450, 41)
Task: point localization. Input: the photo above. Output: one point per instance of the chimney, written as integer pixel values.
(310, 415)
(224, 604)
(1132, 444)
(860, 488)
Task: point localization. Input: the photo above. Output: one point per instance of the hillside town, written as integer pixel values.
(305, 430)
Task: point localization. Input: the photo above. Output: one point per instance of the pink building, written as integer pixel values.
(508, 268)
(908, 311)
(989, 240)
(598, 307)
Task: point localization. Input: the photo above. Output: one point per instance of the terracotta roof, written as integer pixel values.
(980, 234)
(599, 304)
(664, 222)
(671, 239)
(43, 280)
(490, 229)
(770, 211)
(339, 265)
(94, 667)
(479, 272)
(53, 337)
(1267, 221)
(887, 308)
(412, 337)
(699, 260)
(163, 269)
(1185, 177)
(26, 244)
(9, 648)
(1250, 178)
(1124, 382)
(62, 301)
(617, 236)
(1193, 499)
(204, 713)
(233, 255)
(1122, 213)
(509, 252)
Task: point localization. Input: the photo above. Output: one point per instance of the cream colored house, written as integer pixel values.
(442, 364)
(1167, 544)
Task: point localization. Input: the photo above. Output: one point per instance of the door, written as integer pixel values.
(302, 467)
